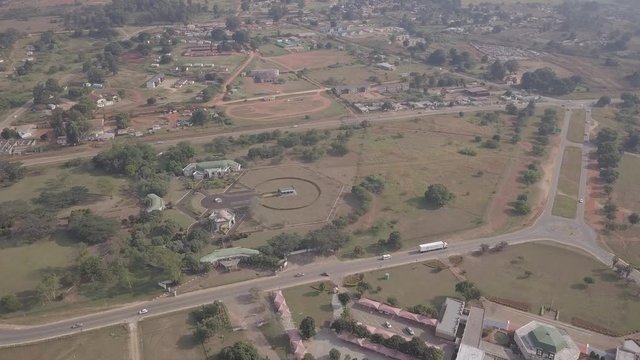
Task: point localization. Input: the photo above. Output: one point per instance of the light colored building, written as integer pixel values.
(449, 320)
(210, 169)
(222, 220)
(538, 341)
(386, 66)
(629, 350)
(154, 203)
(155, 81)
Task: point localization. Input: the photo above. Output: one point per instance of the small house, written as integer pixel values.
(155, 81)
(386, 66)
(222, 220)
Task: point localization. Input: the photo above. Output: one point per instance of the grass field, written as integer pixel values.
(306, 300)
(27, 263)
(276, 336)
(352, 74)
(626, 192)
(556, 280)
(414, 154)
(434, 285)
(605, 117)
(105, 344)
(568, 184)
(170, 337)
(576, 126)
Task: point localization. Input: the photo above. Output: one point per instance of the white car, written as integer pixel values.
(409, 331)
(387, 325)
(143, 311)
(217, 200)
(581, 200)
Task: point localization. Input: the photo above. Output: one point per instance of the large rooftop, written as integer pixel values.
(450, 317)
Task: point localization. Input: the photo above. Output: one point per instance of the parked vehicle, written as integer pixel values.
(385, 257)
(437, 245)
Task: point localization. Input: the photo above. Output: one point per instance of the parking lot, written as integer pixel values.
(372, 317)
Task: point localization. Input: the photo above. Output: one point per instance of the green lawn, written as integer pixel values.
(626, 192)
(569, 183)
(412, 284)
(565, 206)
(104, 344)
(306, 300)
(576, 126)
(557, 280)
(276, 336)
(179, 217)
(27, 263)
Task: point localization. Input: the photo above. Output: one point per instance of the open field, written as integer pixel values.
(576, 126)
(314, 105)
(434, 285)
(249, 88)
(273, 331)
(104, 344)
(569, 183)
(170, 337)
(352, 74)
(307, 300)
(312, 59)
(315, 196)
(556, 279)
(605, 117)
(397, 153)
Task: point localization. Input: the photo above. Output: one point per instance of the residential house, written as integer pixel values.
(477, 92)
(155, 81)
(222, 220)
(154, 203)
(211, 169)
(386, 66)
(391, 88)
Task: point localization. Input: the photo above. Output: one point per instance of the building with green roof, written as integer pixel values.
(154, 203)
(538, 341)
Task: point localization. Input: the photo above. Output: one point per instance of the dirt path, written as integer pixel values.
(218, 98)
(134, 341)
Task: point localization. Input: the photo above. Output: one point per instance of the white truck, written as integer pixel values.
(438, 245)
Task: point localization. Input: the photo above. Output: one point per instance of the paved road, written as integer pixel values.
(571, 232)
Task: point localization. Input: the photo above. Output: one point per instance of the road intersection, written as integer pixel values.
(571, 232)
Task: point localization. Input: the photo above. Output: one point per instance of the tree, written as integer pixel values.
(322, 287)
(218, 34)
(152, 101)
(511, 65)
(437, 58)
(199, 117)
(122, 120)
(232, 23)
(95, 76)
(634, 218)
(438, 195)
(603, 101)
(344, 298)
(276, 12)
(511, 109)
(358, 251)
(10, 303)
(254, 292)
(8, 133)
(588, 280)
(92, 269)
(468, 290)
(307, 328)
(334, 354)
(308, 356)
(240, 351)
(10, 171)
(90, 228)
(394, 241)
(496, 71)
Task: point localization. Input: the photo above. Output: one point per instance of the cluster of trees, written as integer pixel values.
(461, 60)
(176, 157)
(532, 175)
(74, 123)
(307, 327)
(21, 223)
(325, 240)
(392, 243)
(59, 199)
(101, 19)
(548, 123)
(211, 320)
(414, 347)
(86, 226)
(521, 206)
(374, 183)
(422, 309)
(240, 351)
(47, 93)
(426, 81)
(140, 163)
(438, 195)
(545, 81)
(609, 154)
(498, 69)
(9, 37)
(10, 172)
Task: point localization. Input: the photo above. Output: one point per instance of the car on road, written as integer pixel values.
(77, 325)
(299, 275)
(142, 311)
(581, 200)
(325, 274)
(387, 325)
(217, 200)
(409, 331)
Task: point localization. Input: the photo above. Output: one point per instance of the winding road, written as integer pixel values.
(571, 232)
